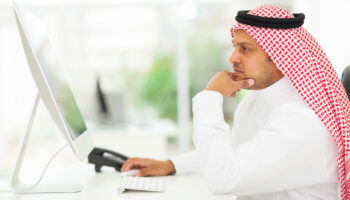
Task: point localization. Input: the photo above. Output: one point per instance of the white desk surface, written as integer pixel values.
(103, 186)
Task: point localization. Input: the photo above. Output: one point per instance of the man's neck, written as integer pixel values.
(275, 80)
(278, 91)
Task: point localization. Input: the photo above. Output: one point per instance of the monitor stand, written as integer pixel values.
(22, 188)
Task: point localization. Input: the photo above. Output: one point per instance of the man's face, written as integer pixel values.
(251, 61)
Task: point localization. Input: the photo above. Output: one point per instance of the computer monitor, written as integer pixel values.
(53, 88)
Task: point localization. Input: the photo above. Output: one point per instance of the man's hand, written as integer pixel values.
(149, 167)
(223, 82)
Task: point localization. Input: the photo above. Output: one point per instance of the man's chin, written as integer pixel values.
(239, 78)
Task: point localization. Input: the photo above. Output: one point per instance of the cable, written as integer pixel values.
(42, 174)
(46, 167)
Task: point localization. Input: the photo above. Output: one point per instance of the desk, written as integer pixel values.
(103, 186)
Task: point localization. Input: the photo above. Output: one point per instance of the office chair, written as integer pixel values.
(345, 79)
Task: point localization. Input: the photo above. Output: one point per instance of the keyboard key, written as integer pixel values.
(142, 184)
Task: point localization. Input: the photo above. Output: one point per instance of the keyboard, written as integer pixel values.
(141, 183)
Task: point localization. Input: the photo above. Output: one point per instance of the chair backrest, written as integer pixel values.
(345, 79)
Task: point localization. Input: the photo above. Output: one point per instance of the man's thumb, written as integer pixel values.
(144, 172)
(246, 83)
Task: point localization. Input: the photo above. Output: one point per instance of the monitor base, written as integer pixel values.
(21, 188)
(49, 188)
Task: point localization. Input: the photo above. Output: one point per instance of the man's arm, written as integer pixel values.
(187, 163)
(221, 81)
(149, 167)
(182, 164)
(288, 153)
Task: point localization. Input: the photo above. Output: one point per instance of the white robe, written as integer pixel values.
(278, 148)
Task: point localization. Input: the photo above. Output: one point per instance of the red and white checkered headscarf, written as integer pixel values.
(300, 58)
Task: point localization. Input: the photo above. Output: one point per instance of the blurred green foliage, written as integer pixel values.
(206, 58)
(159, 88)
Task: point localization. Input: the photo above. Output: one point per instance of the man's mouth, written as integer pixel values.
(236, 70)
(237, 74)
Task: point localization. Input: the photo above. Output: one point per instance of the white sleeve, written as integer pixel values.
(285, 154)
(187, 163)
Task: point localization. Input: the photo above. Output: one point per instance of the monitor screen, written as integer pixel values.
(50, 66)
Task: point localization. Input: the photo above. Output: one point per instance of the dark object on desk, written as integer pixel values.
(104, 110)
(345, 79)
(110, 105)
(103, 157)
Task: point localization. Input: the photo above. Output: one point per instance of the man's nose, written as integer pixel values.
(234, 57)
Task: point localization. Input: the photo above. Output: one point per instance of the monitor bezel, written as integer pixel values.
(82, 145)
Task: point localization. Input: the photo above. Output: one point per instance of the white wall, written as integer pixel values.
(328, 21)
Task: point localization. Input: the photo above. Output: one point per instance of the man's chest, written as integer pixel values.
(249, 122)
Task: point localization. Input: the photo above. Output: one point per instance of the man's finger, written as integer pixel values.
(246, 83)
(132, 163)
(127, 165)
(144, 172)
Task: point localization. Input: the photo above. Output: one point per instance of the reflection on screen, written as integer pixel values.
(58, 85)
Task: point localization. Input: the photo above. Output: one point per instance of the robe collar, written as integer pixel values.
(275, 93)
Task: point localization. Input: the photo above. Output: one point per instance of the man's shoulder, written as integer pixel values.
(295, 107)
(294, 103)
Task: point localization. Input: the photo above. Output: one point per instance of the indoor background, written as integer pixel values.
(146, 58)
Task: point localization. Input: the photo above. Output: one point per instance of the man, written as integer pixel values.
(290, 136)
